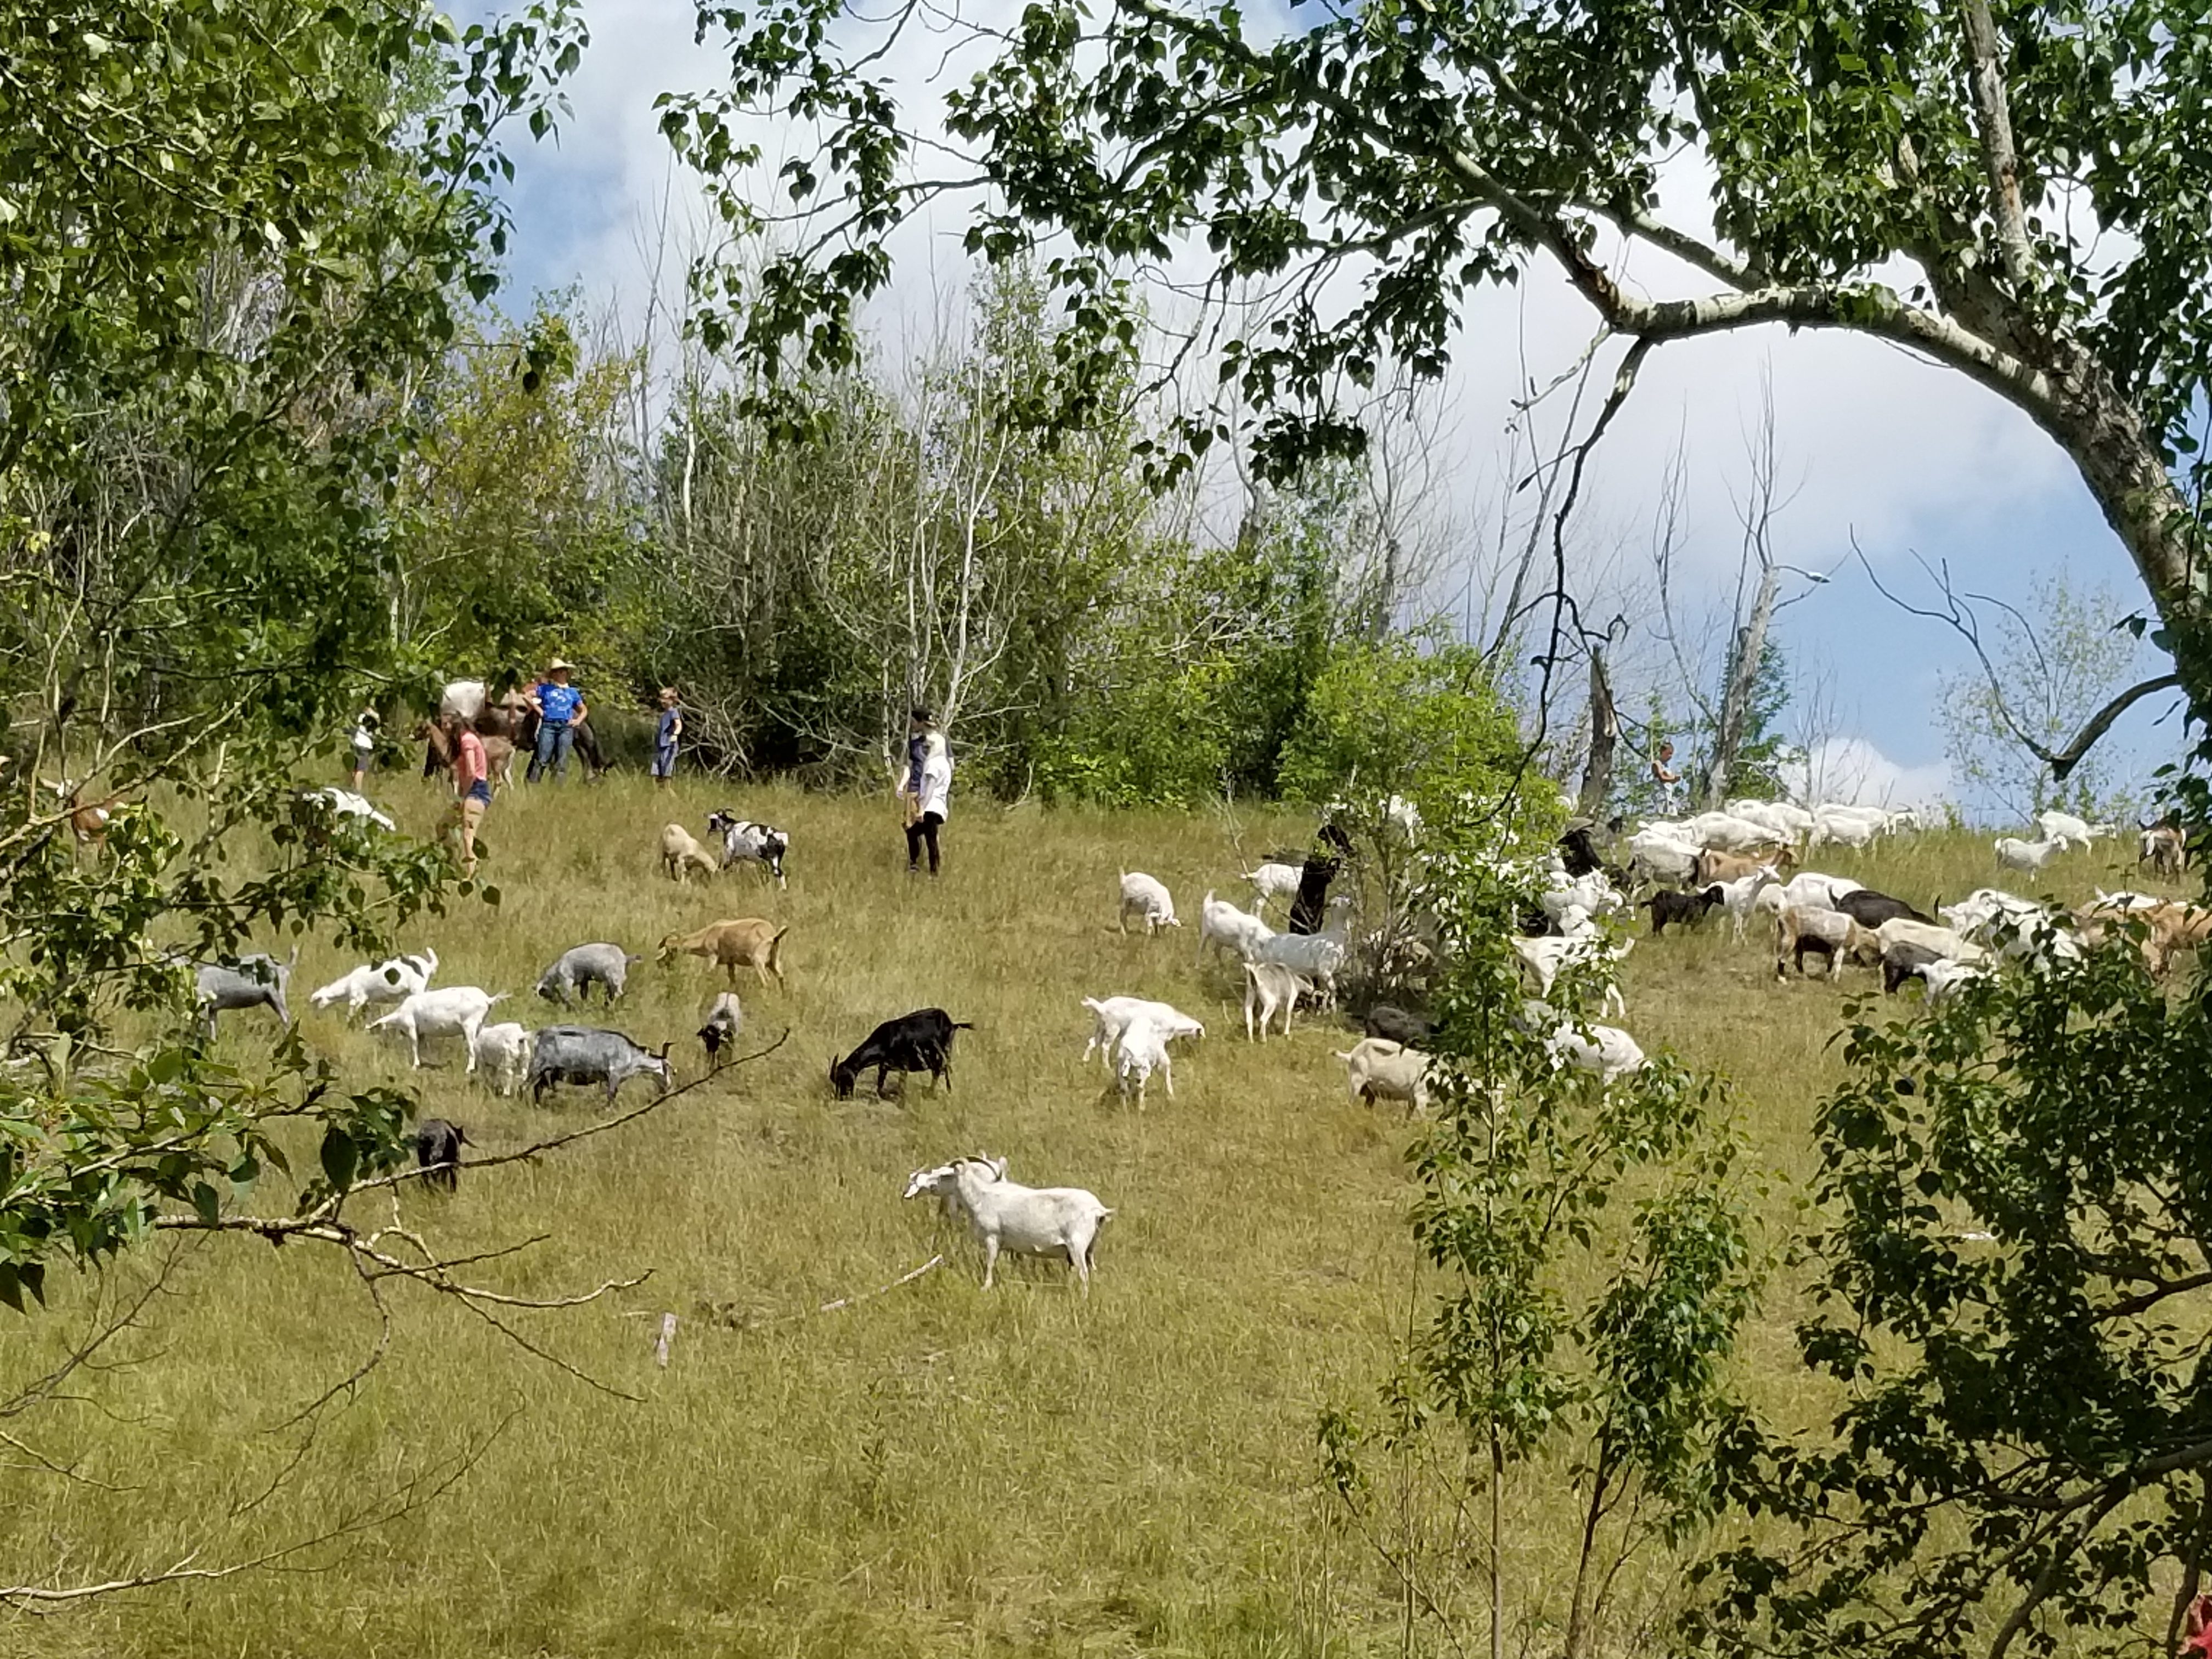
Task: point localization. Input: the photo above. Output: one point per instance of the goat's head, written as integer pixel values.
(841, 1076)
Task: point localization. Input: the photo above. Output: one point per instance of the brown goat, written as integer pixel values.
(1711, 866)
(748, 942)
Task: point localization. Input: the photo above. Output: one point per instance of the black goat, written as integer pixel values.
(1870, 909)
(1311, 907)
(1687, 909)
(1901, 961)
(1578, 852)
(438, 1149)
(1679, 908)
(1394, 1024)
(919, 1041)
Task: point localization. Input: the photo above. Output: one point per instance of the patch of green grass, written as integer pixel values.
(935, 1470)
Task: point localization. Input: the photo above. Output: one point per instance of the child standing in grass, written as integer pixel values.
(665, 737)
(472, 786)
(364, 748)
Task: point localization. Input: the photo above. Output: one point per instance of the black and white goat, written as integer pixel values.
(744, 841)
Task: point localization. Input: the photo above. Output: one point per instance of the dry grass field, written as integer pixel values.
(932, 1471)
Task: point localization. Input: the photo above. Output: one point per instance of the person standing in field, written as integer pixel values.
(364, 748)
(928, 792)
(665, 737)
(472, 786)
(1668, 779)
(560, 707)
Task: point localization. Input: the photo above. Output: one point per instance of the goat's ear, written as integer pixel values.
(663, 1051)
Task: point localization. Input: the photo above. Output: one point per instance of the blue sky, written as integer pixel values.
(1907, 456)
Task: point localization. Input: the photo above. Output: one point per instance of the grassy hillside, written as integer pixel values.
(932, 1471)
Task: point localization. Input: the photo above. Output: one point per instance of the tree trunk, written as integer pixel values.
(1742, 681)
(1605, 737)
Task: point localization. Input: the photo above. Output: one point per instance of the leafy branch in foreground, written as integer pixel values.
(2015, 1296)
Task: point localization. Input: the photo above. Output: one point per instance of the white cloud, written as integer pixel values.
(1852, 771)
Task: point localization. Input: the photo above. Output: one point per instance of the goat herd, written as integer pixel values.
(1740, 860)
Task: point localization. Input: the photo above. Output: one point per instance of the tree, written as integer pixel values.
(2033, 169)
(2049, 671)
(2011, 1268)
(235, 236)
(1571, 1374)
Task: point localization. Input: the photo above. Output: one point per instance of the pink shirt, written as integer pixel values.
(469, 763)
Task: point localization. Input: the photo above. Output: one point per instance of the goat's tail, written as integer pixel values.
(963, 1024)
(775, 948)
(501, 997)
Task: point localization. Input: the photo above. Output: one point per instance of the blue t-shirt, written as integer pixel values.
(559, 703)
(665, 737)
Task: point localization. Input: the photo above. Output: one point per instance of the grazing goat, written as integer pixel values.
(1740, 897)
(1679, 909)
(1943, 977)
(344, 804)
(1902, 960)
(257, 980)
(1005, 1215)
(1606, 1052)
(1846, 828)
(725, 1020)
(1378, 1069)
(1142, 1051)
(744, 942)
(585, 1054)
(1811, 888)
(502, 1053)
(1870, 909)
(1149, 897)
(1395, 1024)
(1734, 866)
(2028, 855)
(680, 854)
(88, 820)
(1943, 941)
(1221, 922)
(1111, 1016)
(746, 842)
(392, 980)
(1273, 880)
(2164, 848)
(577, 970)
(2174, 929)
(919, 1041)
(1270, 987)
(438, 1150)
(455, 1011)
(1828, 933)
(1544, 957)
(1578, 851)
(1318, 956)
(1661, 856)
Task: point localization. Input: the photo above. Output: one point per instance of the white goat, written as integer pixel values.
(1273, 881)
(1111, 1016)
(1221, 922)
(348, 805)
(1943, 977)
(1740, 895)
(502, 1051)
(1592, 893)
(1142, 1050)
(1147, 895)
(1831, 824)
(1810, 887)
(1269, 986)
(1376, 1069)
(457, 1011)
(392, 980)
(1005, 1215)
(1666, 856)
(1544, 957)
(1943, 941)
(1606, 1051)
(1316, 956)
(2028, 855)
(2064, 827)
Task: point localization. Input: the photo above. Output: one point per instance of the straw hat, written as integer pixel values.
(558, 664)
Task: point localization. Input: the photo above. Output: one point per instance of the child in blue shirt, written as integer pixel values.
(665, 737)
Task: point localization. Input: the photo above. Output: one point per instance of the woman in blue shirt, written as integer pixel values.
(560, 708)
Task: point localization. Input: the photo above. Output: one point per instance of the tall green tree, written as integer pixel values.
(2035, 172)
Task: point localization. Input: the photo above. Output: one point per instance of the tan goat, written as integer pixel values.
(748, 942)
(680, 853)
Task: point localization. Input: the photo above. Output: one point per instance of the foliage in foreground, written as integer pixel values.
(2011, 1294)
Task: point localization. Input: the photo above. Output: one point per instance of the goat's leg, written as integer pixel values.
(1167, 1070)
(990, 1258)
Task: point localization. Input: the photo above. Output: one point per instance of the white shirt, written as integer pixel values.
(936, 778)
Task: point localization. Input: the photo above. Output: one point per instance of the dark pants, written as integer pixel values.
(923, 828)
(554, 743)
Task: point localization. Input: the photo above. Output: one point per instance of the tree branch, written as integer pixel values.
(1998, 154)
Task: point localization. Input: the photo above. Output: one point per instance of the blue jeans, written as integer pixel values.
(554, 744)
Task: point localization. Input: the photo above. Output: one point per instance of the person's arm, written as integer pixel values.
(583, 711)
(676, 732)
(536, 707)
